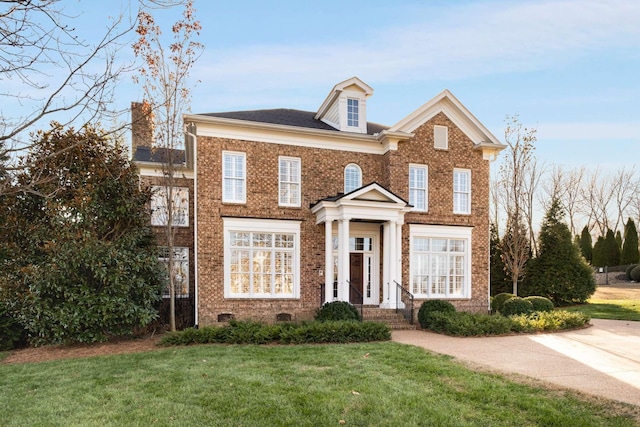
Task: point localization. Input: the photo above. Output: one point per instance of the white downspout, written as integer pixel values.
(195, 218)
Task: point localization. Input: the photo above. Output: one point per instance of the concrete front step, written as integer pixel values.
(390, 317)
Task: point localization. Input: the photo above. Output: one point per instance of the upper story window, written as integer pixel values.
(462, 191)
(234, 177)
(289, 181)
(160, 204)
(353, 112)
(418, 187)
(441, 137)
(352, 177)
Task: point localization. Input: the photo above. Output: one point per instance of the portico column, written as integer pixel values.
(399, 262)
(393, 264)
(343, 260)
(328, 261)
(385, 265)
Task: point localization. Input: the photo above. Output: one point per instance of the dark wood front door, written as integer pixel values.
(355, 271)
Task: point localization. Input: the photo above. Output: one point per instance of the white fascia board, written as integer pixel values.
(286, 135)
(155, 170)
(447, 103)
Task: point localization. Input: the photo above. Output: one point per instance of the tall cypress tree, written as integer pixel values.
(630, 253)
(610, 250)
(499, 282)
(586, 246)
(619, 240)
(559, 272)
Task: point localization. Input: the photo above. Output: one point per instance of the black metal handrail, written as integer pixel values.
(361, 299)
(406, 297)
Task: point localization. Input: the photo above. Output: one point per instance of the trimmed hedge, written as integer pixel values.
(635, 273)
(540, 303)
(467, 325)
(431, 307)
(516, 305)
(337, 310)
(629, 269)
(498, 301)
(248, 332)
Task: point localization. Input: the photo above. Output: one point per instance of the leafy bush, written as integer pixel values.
(516, 305)
(466, 324)
(635, 274)
(629, 269)
(247, 332)
(337, 310)
(429, 307)
(498, 301)
(11, 332)
(540, 303)
(556, 320)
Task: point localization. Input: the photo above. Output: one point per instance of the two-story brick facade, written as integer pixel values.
(293, 208)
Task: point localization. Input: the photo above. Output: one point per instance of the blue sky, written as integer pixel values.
(570, 68)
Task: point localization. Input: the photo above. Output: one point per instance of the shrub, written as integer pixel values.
(428, 308)
(630, 268)
(337, 310)
(635, 274)
(516, 305)
(247, 332)
(466, 324)
(548, 321)
(540, 303)
(11, 332)
(498, 301)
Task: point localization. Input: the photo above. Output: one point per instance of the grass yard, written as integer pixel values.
(609, 309)
(374, 384)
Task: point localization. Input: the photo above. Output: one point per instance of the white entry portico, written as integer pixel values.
(347, 214)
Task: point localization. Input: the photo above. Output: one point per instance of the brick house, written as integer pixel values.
(295, 208)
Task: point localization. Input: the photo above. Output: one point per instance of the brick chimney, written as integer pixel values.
(141, 127)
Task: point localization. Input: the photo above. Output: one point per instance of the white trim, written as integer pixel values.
(225, 197)
(261, 226)
(468, 207)
(443, 232)
(298, 181)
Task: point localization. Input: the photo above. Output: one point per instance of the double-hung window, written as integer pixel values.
(461, 191)
(353, 112)
(352, 177)
(234, 177)
(418, 187)
(289, 181)
(440, 261)
(261, 258)
(163, 206)
(180, 271)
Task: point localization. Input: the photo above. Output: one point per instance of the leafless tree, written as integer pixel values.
(532, 176)
(164, 77)
(624, 187)
(520, 142)
(596, 200)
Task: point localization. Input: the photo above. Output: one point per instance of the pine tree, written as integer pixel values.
(610, 250)
(559, 272)
(619, 240)
(630, 253)
(586, 246)
(499, 282)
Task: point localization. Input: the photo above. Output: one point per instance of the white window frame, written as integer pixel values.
(233, 176)
(440, 137)
(180, 269)
(242, 225)
(414, 189)
(353, 112)
(450, 234)
(179, 205)
(289, 184)
(347, 178)
(459, 193)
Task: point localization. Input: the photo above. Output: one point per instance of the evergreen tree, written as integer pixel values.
(610, 250)
(559, 272)
(499, 282)
(84, 263)
(586, 246)
(619, 240)
(630, 253)
(598, 253)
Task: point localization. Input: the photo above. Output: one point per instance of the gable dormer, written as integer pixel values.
(345, 108)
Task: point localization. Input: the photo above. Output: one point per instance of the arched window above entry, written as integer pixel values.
(352, 177)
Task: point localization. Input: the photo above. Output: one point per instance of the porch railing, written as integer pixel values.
(406, 297)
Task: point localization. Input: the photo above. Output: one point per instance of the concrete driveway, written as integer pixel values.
(602, 360)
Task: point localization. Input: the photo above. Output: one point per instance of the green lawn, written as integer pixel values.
(374, 384)
(624, 309)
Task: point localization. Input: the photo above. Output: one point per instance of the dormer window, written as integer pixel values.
(352, 112)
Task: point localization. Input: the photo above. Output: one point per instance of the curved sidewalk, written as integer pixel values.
(602, 360)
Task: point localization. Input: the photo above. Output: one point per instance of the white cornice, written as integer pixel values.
(293, 135)
(155, 170)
